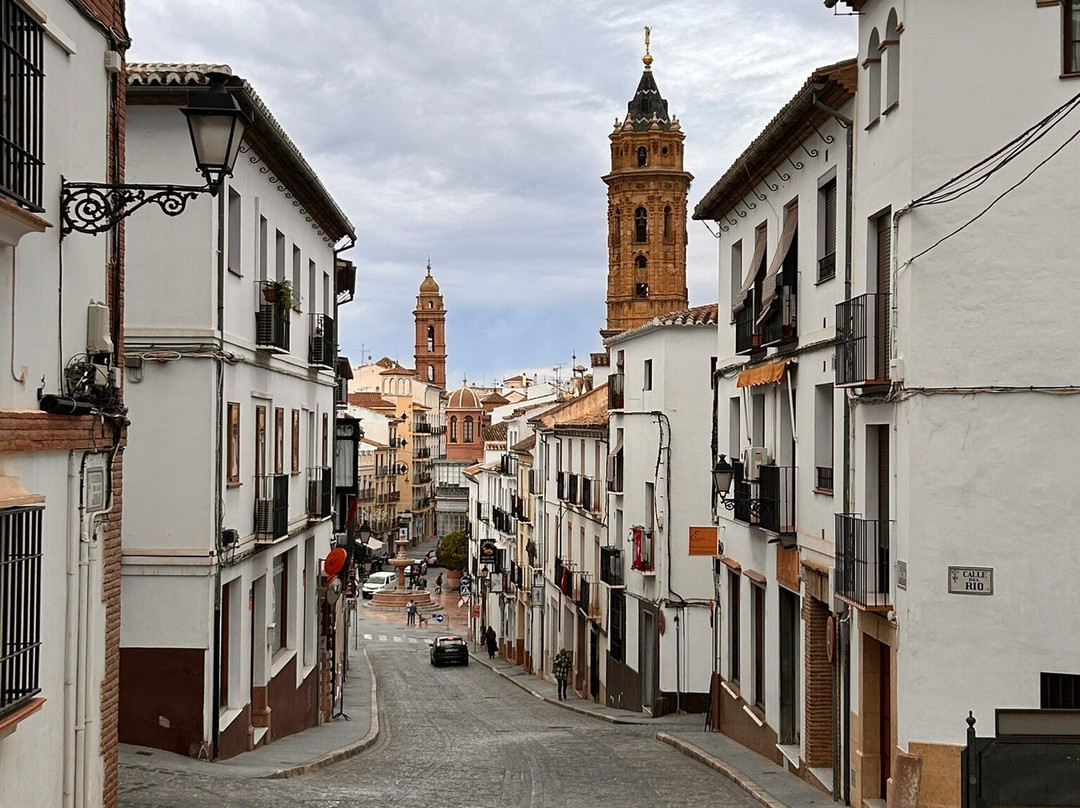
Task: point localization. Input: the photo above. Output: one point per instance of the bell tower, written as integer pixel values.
(430, 317)
(647, 190)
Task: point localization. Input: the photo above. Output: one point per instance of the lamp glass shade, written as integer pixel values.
(364, 532)
(216, 135)
(723, 472)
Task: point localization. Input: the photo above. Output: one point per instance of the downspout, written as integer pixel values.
(842, 683)
(219, 515)
(74, 530)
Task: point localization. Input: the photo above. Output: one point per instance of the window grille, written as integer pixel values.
(22, 84)
(20, 604)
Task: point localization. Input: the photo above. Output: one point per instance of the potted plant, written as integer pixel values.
(453, 554)
(280, 292)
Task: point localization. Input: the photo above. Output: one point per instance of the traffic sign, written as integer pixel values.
(439, 617)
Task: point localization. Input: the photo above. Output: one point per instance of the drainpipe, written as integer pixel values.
(71, 624)
(842, 683)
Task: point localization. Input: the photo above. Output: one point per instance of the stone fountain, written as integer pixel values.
(399, 598)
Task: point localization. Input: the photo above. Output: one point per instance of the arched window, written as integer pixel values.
(642, 156)
(892, 62)
(431, 339)
(453, 429)
(431, 373)
(468, 436)
(667, 224)
(616, 228)
(872, 65)
(641, 225)
(431, 304)
(641, 276)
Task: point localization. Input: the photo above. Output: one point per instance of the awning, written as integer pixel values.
(617, 448)
(13, 495)
(763, 374)
(739, 302)
(375, 545)
(787, 235)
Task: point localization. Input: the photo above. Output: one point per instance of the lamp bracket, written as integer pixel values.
(96, 207)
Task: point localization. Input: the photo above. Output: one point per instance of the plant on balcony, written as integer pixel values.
(453, 551)
(280, 292)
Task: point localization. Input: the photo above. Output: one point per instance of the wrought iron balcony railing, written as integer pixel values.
(781, 324)
(366, 494)
(271, 507)
(20, 605)
(863, 561)
(767, 502)
(643, 550)
(616, 390)
(584, 595)
(323, 341)
(272, 318)
(320, 492)
(862, 341)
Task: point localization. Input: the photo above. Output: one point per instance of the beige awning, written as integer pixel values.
(616, 449)
(787, 235)
(762, 374)
(739, 303)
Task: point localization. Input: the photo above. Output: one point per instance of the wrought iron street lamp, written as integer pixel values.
(216, 125)
(723, 474)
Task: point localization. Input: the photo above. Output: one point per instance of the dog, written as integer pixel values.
(422, 619)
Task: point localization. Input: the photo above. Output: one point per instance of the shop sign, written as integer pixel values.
(971, 580)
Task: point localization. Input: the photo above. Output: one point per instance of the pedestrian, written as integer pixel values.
(492, 642)
(438, 584)
(561, 667)
(410, 612)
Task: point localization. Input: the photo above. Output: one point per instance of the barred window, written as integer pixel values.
(20, 604)
(22, 84)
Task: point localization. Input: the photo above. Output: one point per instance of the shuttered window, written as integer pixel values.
(827, 254)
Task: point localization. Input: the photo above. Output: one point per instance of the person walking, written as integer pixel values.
(410, 613)
(492, 642)
(438, 584)
(561, 667)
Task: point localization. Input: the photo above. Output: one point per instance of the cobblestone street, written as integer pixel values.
(461, 737)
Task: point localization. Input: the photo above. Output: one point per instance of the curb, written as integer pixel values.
(345, 752)
(729, 771)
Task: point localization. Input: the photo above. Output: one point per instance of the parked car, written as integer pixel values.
(431, 559)
(449, 649)
(379, 582)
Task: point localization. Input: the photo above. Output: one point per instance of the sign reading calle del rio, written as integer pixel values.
(971, 580)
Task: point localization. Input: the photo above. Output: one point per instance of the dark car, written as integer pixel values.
(449, 649)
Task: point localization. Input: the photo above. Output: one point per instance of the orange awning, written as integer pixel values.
(763, 374)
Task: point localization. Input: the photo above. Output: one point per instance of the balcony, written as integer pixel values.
(320, 492)
(271, 507)
(508, 465)
(863, 562)
(272, 318)
(323, 341)
(826, 267)
(862, 341)
(615, 473)
(767, 502)
(421, 479)
(503, 521)
(615, 391)
(366, 495)
(643, 550)
(385, 471)
(781, 323)
(422, 454)
(421, 428)
(564, 576)
(611, 566)
(747, 338)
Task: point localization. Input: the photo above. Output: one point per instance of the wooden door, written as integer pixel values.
(883, 289)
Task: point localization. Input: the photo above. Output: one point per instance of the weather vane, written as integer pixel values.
(647, 58)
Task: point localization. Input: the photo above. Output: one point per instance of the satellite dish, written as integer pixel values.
(333, 590)
(335, 561)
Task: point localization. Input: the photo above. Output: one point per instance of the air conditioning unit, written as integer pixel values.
(754, 458)
(264, 517)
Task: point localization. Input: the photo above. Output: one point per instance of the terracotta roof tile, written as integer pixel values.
(373, 401)
(698, 315)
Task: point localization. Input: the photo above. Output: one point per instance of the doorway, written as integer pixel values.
(594, 664)
(789, 667)
(647, 660)
(877, 715)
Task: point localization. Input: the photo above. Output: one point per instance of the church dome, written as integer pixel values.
(463, 399)
(428, 286)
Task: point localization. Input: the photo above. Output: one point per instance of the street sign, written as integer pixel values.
(439, 617)
(971, 580)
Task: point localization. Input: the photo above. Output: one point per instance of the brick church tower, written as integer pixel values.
(647, 190)
(430, 317)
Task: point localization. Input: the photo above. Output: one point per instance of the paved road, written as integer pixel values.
(465, 737)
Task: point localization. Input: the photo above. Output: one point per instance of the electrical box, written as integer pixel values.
(98, 331)
(113, 62)
(754, 458)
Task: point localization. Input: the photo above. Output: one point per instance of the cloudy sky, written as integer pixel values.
(475, 131)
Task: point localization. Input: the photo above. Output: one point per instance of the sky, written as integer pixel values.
(476, 132)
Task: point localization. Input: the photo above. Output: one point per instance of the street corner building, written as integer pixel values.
(231, 362)
(62, 422)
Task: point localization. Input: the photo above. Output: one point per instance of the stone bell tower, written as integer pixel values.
(647, 191)
(430, 318)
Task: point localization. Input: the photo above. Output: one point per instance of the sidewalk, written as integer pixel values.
(769, 784)
(294, 755)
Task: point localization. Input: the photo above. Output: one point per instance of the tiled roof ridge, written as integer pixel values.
(705, 315)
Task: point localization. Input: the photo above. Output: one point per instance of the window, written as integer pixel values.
(279, 257)
(297, 262)
(734, 602)
(234, 232)
(281, 603)
(823, 437)
(757, 594)
(20, 605)
(642, 156)
(260, 441)
(1060, 691)
(279, 440)
(296, 441)
(431, 339)
(22, 78)
(641, 225)
(668, 232)
(263, 249)
(1071, 10)
(453, 429)
(641, 276)
(647, 383)
(468, 436)
(827, 231)
(325, 439)
(736, 273)
(233, 452)
(892, 62)
(872, 66)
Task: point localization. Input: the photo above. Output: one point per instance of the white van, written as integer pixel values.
(379, 582)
